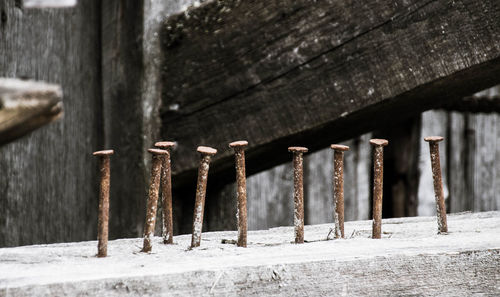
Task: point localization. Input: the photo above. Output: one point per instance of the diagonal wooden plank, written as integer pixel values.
(301, 72)
(26, 105)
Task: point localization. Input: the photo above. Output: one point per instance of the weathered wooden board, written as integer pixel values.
(409, 260)
(26, 106)
(296, 72)
(48, 190)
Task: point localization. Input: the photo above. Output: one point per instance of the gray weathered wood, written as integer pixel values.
(26, 106)
(409, 260)
(48, 186)
(291, 72)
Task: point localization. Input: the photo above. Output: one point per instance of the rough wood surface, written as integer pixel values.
(281, 73)
(48, 186)
(26, 106)
(409, 260)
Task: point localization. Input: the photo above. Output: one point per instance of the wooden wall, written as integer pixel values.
(47, 184)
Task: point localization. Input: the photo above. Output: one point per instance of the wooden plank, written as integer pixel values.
(409, 260)
(48, 190)
(26, 106)
(292, 72)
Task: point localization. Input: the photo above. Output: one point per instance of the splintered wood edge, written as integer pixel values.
(26, 105)
(48, 3)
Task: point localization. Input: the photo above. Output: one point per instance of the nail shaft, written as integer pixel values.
(338, 185)
(201, 187)
(378, 176)
(103, 214)
(438, 182)
(298, 192)
(152, 205)
(239, 154)
(166, 193)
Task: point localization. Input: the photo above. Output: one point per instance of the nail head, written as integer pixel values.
(157, 151)
(379, 142)
(433, 138)
(165, 144)
(206, 150)
(298, 149)
(239, 143)
(104, 153)
(339, 147)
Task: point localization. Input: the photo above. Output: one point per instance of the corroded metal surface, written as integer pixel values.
(166, 192)
(338, 188)
(154, 188)
(298, 192)
(103, 213)
(438, 182)
(378, 178)
(239, 154)
(201, 188)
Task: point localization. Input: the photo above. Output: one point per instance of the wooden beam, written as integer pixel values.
(409, 260)
(26, 105)
(280, 73)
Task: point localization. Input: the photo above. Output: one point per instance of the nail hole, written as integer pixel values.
(4, 17)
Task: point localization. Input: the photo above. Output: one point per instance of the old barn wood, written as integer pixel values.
(26, 106)
(409, 260)
(279, 73)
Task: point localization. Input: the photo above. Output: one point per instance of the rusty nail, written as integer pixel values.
(338, 188)
(167, 230)
(103, 215)
(438, 182)
(378, 179)
(241, 215)
(154, 188)
(201, 188)
(298, 192)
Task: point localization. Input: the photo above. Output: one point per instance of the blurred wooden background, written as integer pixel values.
(48, 184)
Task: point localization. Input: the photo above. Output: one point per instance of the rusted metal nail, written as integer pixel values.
(103, 215)
(241, 215)
(338, 188)
(378, 179)
(438, 182)
(201, 188)
(152, 205)
(167, 229)
(298, 191)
